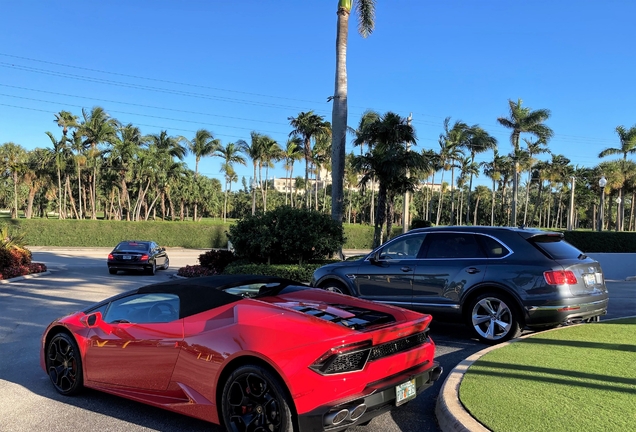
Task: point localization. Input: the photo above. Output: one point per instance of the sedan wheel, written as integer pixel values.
(253, 400)
(166, 264)
(152, 270)
(494, 318)
(64, 364)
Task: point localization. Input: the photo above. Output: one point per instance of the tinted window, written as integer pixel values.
(144, 308)
(493, 248)
(133, 246)
(556, 247)
(453, 245)
(403, 248)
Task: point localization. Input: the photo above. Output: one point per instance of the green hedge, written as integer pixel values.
(300, 273)
(107, 233)
(604, 241)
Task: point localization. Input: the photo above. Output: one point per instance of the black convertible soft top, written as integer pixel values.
(204, 293)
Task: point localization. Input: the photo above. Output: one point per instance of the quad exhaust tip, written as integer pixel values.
(357, 412)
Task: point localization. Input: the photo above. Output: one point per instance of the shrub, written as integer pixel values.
(300, 273)
(421, 223)
(195, 271)
(216, 259)
(37, 268)
(286, 235)
(15, 271)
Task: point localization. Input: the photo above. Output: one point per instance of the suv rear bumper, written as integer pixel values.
(563, 313)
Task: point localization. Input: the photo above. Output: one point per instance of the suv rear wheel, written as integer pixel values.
(335, 286)
(494, 318)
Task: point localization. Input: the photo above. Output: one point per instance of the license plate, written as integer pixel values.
(127, 257)
(589, 279)
(405, 392)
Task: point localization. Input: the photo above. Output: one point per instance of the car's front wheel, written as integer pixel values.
(254, 400)
(64, 364)
(494, 318)
(335, 286)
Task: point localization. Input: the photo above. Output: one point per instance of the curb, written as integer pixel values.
(29, 276)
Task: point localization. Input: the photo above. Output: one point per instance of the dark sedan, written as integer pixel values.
(497, 280)
(145, 256)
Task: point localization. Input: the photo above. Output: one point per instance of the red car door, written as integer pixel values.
(137, 343)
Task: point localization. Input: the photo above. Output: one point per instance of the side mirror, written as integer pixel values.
(92, 320)
(375, 258)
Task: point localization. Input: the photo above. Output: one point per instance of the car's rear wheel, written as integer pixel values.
(64, 364)
(494, 318)
(112, 271)
(335, 286)
(152, 270)
(254, 400)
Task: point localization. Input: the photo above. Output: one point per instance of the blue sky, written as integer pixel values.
(234, 67)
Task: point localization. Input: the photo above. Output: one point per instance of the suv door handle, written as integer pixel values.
(472, 270)
(406, 269)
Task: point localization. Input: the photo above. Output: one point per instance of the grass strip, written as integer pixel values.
(578, 378)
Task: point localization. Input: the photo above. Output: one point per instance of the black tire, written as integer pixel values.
(64, 364)
(112, 271)
(494, 318)
(335, 286)
(254, 399)
(152, 270)
(166, 264)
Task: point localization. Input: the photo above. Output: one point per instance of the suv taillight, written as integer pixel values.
(560, 277)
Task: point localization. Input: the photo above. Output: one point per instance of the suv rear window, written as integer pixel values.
(555, 247)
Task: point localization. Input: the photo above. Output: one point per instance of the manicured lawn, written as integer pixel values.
(580, 378)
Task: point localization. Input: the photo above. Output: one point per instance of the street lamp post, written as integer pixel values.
(601, 212)
(619, 217)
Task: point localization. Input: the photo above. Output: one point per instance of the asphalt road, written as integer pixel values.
(79, 277)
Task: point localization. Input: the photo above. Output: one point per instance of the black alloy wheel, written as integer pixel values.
(255, 401)
(494, 318)
(64, 364)
(335, 286)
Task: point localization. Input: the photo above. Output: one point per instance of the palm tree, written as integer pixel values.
(628, 146)
(308, 125)
(203, 144)
(293, 152)
(481, 192)
(61, 154)
(366, 23)
(97, 128)
(478, 142)
(389, 160)
(12, 157)
(66, 121)
(121, 156)
(532, 148)
(77, 145)
(254, 151)
(368, 117)
(230, 155)
(492, 170)
(468, 169)
(523, 120)
(450, 143)
(271, 153)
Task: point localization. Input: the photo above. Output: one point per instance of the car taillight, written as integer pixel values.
(110, 256)
(144, 257)
(346, 358)
(560, 277)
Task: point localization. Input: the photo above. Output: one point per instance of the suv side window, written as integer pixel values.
(453, 245)
(493, 248)
(406, 247)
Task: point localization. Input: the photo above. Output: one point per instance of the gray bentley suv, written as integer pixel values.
(497, 280)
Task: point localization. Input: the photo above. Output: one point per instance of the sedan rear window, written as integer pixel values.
(555, 247)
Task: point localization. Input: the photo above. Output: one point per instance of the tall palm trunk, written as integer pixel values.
(379, 220)
(339, 117)
(470, 188)
(492, 206)
(439, 204)
(525, 209)
(254, 190)
(475, 211)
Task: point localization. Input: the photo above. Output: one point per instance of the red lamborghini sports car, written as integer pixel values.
(253, 353)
